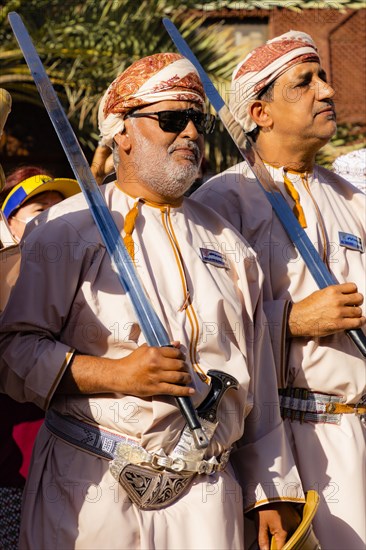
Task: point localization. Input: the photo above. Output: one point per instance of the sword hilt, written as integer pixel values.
(190, 414)
(220, 383)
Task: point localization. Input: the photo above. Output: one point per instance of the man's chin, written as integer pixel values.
(189, 162)
(177, 194)
(188, 172)
(328, 132)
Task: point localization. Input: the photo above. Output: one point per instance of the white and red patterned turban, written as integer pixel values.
(264, 65)
(159, 77)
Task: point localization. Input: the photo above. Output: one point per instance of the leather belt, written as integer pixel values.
(151, 480)
(88, 437)
(109, 445)
(306, 406)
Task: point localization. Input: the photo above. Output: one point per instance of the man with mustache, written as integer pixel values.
(88, 364)
(283, 101)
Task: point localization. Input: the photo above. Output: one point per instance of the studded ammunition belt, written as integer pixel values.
(151, 480)
(306, 406)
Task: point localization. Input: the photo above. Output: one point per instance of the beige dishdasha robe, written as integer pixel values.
(330, 458)
(69, 298)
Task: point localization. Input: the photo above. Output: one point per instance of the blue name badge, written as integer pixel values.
(213, 257)
(350, 241)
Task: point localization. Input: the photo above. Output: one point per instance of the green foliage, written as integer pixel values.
(348, 138)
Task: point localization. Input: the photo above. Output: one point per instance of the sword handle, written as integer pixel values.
(188, 411)
(359, 339)
(220, 383)
(190, 414)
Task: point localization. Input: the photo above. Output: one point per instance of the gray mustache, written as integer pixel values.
(186, 145)
(329, 103)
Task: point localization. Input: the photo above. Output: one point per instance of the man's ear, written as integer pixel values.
(123, 141)
(260, 112)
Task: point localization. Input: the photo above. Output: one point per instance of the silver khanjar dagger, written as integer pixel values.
(295, 232)
(129, 458)
(151, 326)
(207, 413)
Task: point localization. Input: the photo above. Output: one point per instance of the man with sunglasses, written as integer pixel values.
(281, 97)
(88, 363)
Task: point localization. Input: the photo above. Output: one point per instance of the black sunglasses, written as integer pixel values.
(176, 121)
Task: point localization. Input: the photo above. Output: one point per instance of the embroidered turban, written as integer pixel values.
(264, 65)
(159, 77)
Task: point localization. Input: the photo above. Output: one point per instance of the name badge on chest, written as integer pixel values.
(350, 241)
(213, 257)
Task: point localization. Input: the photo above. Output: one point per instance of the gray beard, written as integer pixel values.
(161, 173)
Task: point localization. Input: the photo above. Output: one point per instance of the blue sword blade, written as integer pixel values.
(151, 326)
(295, 232)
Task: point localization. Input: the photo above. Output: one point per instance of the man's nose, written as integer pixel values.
(190, 131)
(323, 89)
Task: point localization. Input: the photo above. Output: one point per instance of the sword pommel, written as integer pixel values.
(200, 438)
(220, 383)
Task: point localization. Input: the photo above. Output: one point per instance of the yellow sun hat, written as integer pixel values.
(35, 185)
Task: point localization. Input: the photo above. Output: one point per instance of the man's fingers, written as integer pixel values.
(280, 540)
(162, 356)
(263, 539)
(355, 299)
(353, 322)
(352, 311)
(150, 370)
(280, 519)
(172, 352)
(346, 323)
(346, 292)
(157, 381)
(175, 391)
(346, 288)
(181, 378)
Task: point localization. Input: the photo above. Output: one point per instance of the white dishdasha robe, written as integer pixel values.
(68, 298)
(331, 458)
